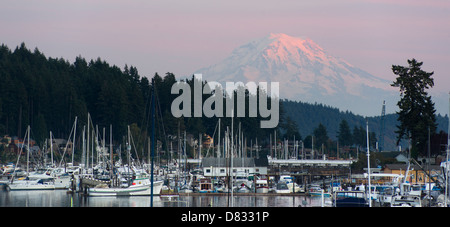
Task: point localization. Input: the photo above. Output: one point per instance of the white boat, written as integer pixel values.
(140, 186)
(243, 188)
(242, 178)
(262, 186)
(35, 184)
(282, 188)
(416, 190)
(387, 192)
(293, 187)
(316, 190)
(406, 201)
(185, 189)
(61, 179)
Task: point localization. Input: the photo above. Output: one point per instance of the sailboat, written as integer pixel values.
(29, 183)
(37, 181)
(142, 183)
(139, 186)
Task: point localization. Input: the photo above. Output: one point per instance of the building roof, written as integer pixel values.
(405, 166)
(237, 162)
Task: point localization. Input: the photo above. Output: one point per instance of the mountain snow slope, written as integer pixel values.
(305, 72)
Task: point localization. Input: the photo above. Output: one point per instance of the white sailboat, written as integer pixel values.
(140, 186)
(27, 184)
(35, 182)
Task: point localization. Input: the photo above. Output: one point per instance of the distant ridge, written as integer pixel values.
(308, 116)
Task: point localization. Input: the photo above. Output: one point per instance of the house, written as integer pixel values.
(416, 174)
(208, 141)
(220, 167)
(15, 144)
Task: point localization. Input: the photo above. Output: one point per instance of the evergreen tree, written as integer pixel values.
(291, 129)
(417, 112)
(359, 136)
(320, 136)
(344, 134)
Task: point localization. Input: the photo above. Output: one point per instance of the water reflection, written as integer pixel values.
(59, 198)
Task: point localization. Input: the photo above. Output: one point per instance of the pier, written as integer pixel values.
(310, 162)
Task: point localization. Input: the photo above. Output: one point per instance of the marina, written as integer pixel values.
(218, 171)
(238, 181)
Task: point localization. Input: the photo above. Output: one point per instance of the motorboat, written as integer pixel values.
(282, 188)
(293, 187)
(261, 186)
(205, 185)
(243, 188)
(350, 199)
(406, 201)
(316, 190)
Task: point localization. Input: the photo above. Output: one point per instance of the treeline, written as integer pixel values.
(309, 116)
(47, 94)
(316, 119)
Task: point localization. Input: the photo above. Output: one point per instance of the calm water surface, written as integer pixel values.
(59, 198)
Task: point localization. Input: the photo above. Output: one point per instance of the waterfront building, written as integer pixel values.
(416, 174)
(220, 167)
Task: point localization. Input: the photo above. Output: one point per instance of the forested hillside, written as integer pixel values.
(48, 93)
(309, 116)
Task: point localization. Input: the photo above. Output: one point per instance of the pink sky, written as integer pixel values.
(182, 36)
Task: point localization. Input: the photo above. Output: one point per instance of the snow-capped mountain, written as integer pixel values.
(305, 72)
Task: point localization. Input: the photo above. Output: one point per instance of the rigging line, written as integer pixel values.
(146, 121)
(37, 161)
(135, 151)
(162, 120)
(147, 113)
(67, 143)
(18, 157)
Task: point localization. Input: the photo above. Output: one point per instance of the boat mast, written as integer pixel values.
(448, 151)
(153, 141)
(218, 142)
(87, 145)
(28, 150)
(83, 154)
(111, 153)
(51, 149)
(368, 162)
(73, 143)
(232, 154)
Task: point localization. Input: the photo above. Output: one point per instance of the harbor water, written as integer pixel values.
(60, 198)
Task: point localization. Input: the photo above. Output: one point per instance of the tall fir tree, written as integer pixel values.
(417, 112)
(344, 134)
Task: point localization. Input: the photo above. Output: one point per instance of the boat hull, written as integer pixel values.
(282, 191)
(25, 186)
(141, 190)
(351, 202)
(262, 190)
(319, 194)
